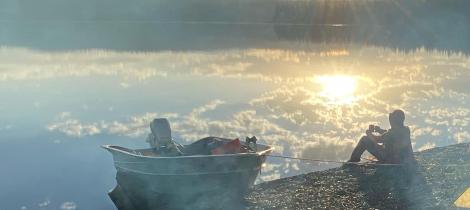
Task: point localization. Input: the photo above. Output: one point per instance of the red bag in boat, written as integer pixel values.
(230, 147)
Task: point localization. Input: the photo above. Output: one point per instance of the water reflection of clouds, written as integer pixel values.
(5, 127)
(293, 116)
(69, 205)
(135, 126)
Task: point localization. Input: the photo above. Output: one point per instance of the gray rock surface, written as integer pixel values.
(438, 178)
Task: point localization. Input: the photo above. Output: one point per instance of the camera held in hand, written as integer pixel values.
(372, 128)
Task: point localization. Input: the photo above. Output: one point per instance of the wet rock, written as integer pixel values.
(436, 181)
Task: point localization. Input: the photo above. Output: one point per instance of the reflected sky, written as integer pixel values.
(307, 77)
(338, 89)
(58, 107)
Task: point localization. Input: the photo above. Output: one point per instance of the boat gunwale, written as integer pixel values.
(261, 153)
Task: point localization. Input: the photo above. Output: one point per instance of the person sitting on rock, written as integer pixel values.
(391, 146)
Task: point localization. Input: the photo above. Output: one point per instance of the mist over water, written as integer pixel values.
(71, 80)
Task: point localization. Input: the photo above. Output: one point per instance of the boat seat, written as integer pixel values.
(146, 152)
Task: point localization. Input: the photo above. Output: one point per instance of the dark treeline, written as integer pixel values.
(396, 23)
(160, 24)
(172, 10)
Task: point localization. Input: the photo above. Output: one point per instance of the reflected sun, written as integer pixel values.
(338, 89)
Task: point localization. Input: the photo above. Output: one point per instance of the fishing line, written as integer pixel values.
(363, 163)
(192, 22)
(333, 161)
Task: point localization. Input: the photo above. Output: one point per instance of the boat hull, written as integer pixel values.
(179, 182)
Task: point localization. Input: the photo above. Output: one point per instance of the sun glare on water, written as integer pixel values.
(338, 90)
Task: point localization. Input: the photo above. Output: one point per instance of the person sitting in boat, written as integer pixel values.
(391, 146)
(160, 138)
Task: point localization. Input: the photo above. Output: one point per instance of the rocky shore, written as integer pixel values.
(440, 176)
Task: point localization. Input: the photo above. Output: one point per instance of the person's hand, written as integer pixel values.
(379, 130)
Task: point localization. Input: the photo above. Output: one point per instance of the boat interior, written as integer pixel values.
(152, 152)
(161, 132)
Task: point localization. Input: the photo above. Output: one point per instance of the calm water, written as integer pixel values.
(60, 100)
(57, 108)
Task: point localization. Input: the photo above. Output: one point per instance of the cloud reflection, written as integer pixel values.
(296, 115)
(69, 205)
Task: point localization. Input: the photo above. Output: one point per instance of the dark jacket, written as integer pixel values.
(397, 145)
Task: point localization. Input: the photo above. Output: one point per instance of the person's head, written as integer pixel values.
(396, 118)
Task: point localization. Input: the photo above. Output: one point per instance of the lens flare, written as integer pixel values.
(338, 89)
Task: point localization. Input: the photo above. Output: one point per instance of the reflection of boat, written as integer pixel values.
(144, 177)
